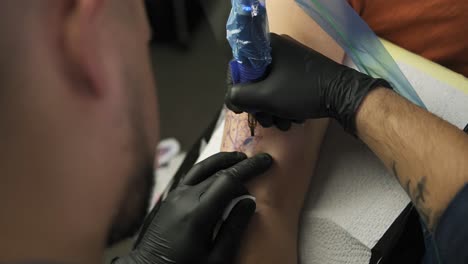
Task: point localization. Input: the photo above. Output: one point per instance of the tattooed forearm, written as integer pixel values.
(419, 195)
(237, 135)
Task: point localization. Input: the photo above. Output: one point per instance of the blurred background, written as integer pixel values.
(189, 55)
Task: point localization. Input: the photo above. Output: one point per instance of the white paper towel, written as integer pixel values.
(353, 200)
(353, 196)
(336, 245)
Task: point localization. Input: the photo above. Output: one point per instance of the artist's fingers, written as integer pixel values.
(229, 238)
(229, 84)
(266, 120)
(211, 166)
(282, 124)
(298, 121)
(228, 184)
(252, 167)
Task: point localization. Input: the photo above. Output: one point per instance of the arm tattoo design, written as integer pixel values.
(237, 134)
(418, 194)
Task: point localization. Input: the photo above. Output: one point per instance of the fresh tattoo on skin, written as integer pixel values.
(238, 134)
(418, 194)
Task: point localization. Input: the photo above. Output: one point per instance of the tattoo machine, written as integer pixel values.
(248, 34)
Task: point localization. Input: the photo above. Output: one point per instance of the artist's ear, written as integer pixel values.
(83, 45)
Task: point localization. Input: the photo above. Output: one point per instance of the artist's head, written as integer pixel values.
(78, 125)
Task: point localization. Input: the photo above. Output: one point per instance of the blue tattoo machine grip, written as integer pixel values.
(248, 34)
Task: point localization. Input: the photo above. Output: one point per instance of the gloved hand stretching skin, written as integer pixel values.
(182, 230)
(302, 84)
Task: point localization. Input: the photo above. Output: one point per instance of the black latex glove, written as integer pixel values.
(182, 230)
(302, 84)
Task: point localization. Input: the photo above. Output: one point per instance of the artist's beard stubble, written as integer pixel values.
(134, 206)
(136, 200)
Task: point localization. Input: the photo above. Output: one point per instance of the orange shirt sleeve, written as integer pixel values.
(434, 29)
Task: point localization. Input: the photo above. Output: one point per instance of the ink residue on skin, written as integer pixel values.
(248, 140)
(237, 134)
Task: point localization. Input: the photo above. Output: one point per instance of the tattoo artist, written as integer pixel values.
(78, 129)
(428, 155)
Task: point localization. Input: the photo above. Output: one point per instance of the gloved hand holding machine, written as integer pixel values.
(248, 35)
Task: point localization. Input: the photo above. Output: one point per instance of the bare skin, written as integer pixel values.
(78, 122)
(280, 192)
(273, 232)
(427, 155)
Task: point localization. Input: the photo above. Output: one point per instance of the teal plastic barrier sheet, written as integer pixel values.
(360, 43)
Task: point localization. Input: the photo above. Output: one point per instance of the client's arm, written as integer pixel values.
(273, 232)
